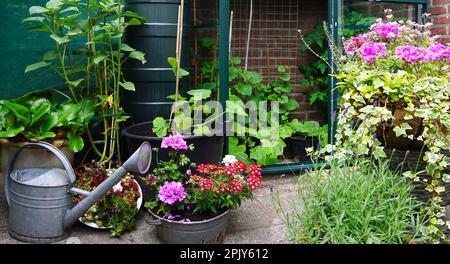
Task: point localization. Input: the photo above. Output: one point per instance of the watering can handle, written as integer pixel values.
(62, 158)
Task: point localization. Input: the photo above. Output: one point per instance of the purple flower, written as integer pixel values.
(169, 216)
(410, 54)
(371, 50)
(386, 30)
(377, 202)
(375, 103)
(189, 207)
(318, 145)
(175, 142)
(375, 136)
(171, 192)
(344, 113)
(186, 220)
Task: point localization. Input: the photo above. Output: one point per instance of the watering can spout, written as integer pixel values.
(139, 162)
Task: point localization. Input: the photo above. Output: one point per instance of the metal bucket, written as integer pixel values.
(211, 231)
(37, 205)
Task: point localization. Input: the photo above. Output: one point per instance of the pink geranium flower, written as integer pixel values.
(386, 30)
(171, 192)
(176, 142)
(372, 50)
(410, 54)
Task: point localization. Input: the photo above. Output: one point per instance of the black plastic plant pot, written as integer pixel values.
(207, 149)
(299, 146)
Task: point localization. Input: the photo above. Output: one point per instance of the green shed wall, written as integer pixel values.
(19, 48)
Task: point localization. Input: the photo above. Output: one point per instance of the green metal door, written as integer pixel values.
(19, 48)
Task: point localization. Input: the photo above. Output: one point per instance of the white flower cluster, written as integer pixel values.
(229, 159)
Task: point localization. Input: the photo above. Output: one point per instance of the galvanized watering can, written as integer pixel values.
(40, 199)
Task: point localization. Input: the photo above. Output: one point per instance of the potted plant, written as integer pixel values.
(395, 88)
(38, 117)
(306, 135)
(89, 55)
(192, 206)
(116, 211)
(190, 117)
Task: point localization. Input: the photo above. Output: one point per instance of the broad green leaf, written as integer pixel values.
(75, 142)
(99, 57)
(282, 69)
(50, 55)
(244, 88)
(235, 61)
(39, 108)
(37, 10)
(133, 15)
(292, 104)
(174, 65)
(160, 127)
(128, 86)
(54, 4)
(76, 83)
(36, 66)
(285, 77)
(126, 48)
(70, 8)
(42, 136)
(20, 111)
(11, 132)
(200, 94)
(33, 19)
(134, 22)
(251, 77)
(138, 55)
(60, 40)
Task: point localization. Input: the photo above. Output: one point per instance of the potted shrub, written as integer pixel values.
(306, 135)
(192, 206)
(395, 88)
(38, 117)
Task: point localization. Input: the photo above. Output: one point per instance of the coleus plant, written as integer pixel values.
(34, 117)
(397, 65)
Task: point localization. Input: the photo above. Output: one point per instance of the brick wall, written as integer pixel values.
(440, 15)
(274, 39)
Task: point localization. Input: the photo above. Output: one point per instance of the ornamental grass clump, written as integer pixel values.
(395, 92)
(359, 203)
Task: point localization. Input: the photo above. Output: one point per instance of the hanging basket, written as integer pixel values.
(405, 160)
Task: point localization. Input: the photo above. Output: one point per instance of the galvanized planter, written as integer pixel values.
(211, 231)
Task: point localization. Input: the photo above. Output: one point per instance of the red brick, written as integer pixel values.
(439, 30)
(441, 20)
(437, 10)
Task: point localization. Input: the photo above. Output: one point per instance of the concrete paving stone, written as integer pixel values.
(272, 235)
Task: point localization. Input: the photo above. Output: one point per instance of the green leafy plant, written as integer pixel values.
(89, 56)
(401, 93)
(33, 117)
(316, 72)
(262, 145)
(361, 202)
(310, 129)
